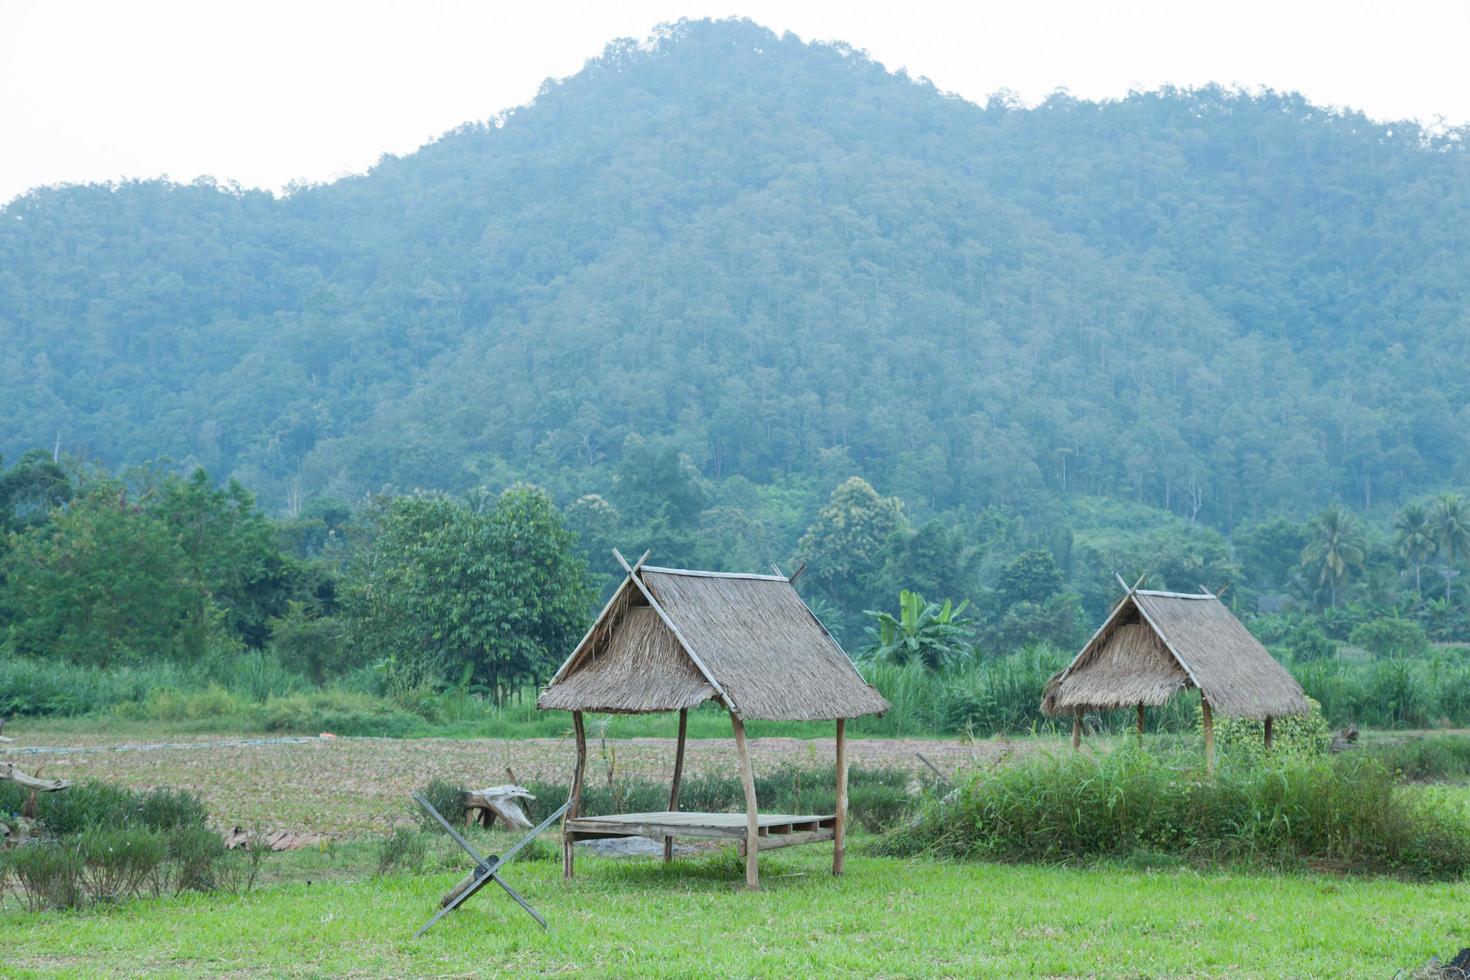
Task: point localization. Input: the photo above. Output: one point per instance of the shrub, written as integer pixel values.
(403, 850)
(93, 805)
(194, 853)
(48, 875)
(1390, 636)
(116, 863)
(340, 712)
(1301, 734)
(446, 797)
(1291, 808)
(1430, 757)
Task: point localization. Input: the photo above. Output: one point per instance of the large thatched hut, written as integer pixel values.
(1154, 645)
(671, 639)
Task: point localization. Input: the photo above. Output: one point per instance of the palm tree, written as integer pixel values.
(1414, 539)
(1452, 531)
(1336, 548)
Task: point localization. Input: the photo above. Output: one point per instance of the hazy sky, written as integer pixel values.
(271, 92)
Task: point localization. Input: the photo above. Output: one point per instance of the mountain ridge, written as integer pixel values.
(764, 251)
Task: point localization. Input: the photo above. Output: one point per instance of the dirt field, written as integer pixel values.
(354, 786)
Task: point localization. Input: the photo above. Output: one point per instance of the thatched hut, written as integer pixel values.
(671, 639)
(1154, 645)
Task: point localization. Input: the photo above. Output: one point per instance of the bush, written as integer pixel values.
(93, 806)
(1301, 734)
(194, 853)
(1430, 757)
(403, 850)
(1390, 636)
(339, 712)
(444, 796)
(1348, 813)
(47, 875)
(117, 863)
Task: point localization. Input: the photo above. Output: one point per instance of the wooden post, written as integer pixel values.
(1077, 729)
(1209, 719)
(568, 846)
(839, 828)
(752, 832)
(1140, 724)
(678, 775)
(1268, 733)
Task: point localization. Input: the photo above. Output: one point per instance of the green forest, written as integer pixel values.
(742, 300)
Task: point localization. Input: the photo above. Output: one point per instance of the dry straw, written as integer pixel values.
(748, 636)
(1155, 644)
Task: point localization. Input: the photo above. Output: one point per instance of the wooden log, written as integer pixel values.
(1140, 723)
(770, 843)
(752, 831)
(1077, 729)
(678, 775)
(494, 802)
(1269, 733)
(568, 845)
(8, 771)
(839, 828)
(1209, 725)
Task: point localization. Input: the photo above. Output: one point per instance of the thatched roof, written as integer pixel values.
(745, 640)
(1155, 644)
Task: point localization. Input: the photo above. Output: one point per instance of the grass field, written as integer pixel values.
(320, 911)
(885, 917)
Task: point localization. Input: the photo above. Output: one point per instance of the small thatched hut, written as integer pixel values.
(671, 639)
(1154, 645)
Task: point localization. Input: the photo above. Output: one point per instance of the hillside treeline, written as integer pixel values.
(785, 265)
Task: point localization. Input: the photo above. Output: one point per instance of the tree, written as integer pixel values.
(232, 560)
(847, 541)
(927, 633)
(448, 594)
(933, 559)
(1270, 549)
(1335, 549)
(545, 595)
(31, 489)
(1032, 576)
(102, 583)
(1452, 533)
(1415, 539)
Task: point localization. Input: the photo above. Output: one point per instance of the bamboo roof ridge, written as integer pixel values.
(674, 638)
(1155, 644)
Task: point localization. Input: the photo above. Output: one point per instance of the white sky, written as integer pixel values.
(269, 92)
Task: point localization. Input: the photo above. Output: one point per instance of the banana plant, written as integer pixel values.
(929, 633)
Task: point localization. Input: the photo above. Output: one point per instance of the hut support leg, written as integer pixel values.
(752, 832)
(1268, 733)
(1209, 720)
(1140, 724)
(1077, 730)
(839, 829)
(568, 846)
(678, 775)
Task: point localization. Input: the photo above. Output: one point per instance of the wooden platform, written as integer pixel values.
(773, 829)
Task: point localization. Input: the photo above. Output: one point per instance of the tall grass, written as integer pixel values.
(983, 696)
(1348, 813)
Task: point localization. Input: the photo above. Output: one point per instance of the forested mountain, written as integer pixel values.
(790, 265)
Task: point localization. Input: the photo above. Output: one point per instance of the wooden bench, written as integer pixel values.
(773, 830)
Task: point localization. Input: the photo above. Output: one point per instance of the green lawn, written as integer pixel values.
(886, 917)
